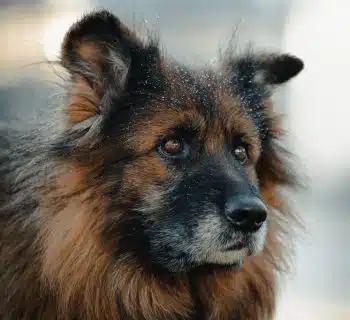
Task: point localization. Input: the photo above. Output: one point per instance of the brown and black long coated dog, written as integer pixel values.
(160, 199)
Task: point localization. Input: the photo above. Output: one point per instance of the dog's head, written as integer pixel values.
(183, 155)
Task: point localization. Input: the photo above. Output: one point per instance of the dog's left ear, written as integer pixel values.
(252, 77)
(260, 71)
(280, 68)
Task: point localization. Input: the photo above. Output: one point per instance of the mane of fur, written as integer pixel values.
(55, 265)
(40, 237)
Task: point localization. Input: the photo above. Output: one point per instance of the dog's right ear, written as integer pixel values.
(104, 59)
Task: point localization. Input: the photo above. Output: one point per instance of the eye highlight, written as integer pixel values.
(240, 153)
(173, 147)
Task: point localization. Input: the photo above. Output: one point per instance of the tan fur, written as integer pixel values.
(82, 270)
(60, 263)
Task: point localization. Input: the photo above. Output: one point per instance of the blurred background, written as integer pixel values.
(316, 104)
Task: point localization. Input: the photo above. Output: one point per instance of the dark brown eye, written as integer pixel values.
(241, 154)
(172, 146)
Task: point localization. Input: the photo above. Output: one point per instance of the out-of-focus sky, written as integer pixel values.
(316, 104)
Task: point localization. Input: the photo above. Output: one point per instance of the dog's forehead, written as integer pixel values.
(196, 102)
(186, 86)
(208, 92)
(208, 89)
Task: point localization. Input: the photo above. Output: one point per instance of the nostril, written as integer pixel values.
(237, 217)
(247, 219)
(246, 213)
(260, 217)
(239, 224)
(258, 223)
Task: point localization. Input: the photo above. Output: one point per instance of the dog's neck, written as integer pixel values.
(206, 293)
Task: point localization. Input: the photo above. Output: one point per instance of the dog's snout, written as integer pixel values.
(246, 213)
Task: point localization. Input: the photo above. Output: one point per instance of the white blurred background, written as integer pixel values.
(317, 104)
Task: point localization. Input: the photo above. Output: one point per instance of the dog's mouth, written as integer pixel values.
(237, 266)
(206, 246)
(237, 246)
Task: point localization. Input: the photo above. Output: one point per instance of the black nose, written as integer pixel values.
(246, 213)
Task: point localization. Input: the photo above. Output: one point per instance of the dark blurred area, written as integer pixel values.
(192, 32)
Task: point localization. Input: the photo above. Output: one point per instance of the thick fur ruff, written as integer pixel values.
(97, 223)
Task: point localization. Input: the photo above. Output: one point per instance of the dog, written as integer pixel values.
(162, 196)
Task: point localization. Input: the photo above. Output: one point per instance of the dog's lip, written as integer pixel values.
(236, 246)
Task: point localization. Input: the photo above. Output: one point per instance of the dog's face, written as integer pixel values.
(197, 191)
(180, 148)
(192, 180)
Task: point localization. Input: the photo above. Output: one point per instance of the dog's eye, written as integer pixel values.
(240, 154)
(172, 147)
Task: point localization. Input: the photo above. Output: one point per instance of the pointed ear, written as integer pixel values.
(104, 59)
(258, 72)
(281, 68)
(252, 77)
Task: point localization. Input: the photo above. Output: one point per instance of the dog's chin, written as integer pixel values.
(228, 258)
(219, 260)
(222, 251)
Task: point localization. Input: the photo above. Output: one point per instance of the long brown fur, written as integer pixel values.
(57, 263)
